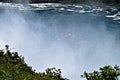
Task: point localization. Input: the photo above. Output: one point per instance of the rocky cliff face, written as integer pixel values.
(38, 1)
(64, 1)
(15, 1)
(31, 1)
(93, 1)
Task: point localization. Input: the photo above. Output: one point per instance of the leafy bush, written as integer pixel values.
(105, 73)
(13, 67)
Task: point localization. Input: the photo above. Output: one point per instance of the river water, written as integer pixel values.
(74, 38)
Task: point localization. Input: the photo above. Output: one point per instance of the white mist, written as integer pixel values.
(73, 43)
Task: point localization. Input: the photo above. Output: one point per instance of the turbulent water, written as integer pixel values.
(75, 38)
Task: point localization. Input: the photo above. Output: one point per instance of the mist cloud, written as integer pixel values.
(73, 43)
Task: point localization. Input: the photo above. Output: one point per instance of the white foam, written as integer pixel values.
(80, 11)
(114, 9)
(61, 9)
(116, 18)
(44, 5)
(28, 6)
(70, 10)
(111, 16)
(78, 6)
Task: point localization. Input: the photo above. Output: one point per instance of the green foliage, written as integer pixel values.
(105, 73)
(13, 67)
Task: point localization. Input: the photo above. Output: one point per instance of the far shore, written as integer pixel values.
(79, 3)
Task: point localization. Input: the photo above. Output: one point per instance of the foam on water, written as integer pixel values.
(58, 6)
(115, 17)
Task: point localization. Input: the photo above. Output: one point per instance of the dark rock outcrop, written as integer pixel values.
(31, 1)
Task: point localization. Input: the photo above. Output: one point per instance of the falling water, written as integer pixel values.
(71, 37)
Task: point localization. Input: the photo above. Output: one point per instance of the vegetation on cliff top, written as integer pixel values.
(13, 67)
(105, 73)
